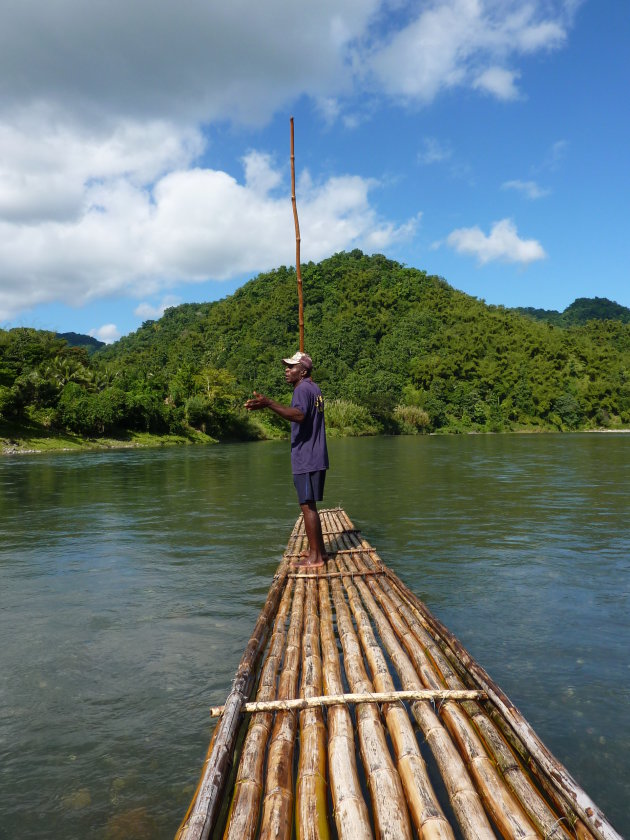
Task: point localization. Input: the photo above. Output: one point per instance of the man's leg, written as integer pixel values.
(313, 527)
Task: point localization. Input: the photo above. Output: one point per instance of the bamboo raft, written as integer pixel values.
(355, 659)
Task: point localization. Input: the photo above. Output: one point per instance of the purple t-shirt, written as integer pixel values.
(308, 438)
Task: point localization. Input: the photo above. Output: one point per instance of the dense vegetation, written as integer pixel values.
(581, 311)
(395, 350)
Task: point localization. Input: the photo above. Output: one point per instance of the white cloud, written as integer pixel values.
(434, 151)
(503, 243)
(107, 333)
(190, 226)
(46, 169)
(554, 156)
(106, 179)
(530, 189)
(204, 62)
(148, 311)
(461, 43)
(499, 82)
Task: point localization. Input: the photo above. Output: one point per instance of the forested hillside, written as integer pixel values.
(581, 311)
(395, 350)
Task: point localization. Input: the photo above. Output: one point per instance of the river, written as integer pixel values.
(131, 580)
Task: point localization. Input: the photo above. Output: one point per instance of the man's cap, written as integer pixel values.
(300, 359)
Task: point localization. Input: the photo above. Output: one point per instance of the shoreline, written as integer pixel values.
(42, 445)
(14, 445)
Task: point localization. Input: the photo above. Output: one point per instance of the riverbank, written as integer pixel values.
(36, 441)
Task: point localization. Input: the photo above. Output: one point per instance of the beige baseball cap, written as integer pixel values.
(300, 359)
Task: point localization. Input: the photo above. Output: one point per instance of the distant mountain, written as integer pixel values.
(78, 340)
(580, 311)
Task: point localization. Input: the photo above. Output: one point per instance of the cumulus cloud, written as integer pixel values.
(204, 62)
(148, 311)
(190, 225)
(467, 43)
(107, 110)
(502, 243)
(530, 189)
(107, 333)
(499, 82)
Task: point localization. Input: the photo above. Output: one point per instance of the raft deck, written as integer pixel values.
(371, 720)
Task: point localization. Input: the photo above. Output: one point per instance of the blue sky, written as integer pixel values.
(144, 149)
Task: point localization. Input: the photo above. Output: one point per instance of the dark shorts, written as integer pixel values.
(310, 486)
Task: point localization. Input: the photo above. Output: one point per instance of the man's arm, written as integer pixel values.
(259, 401)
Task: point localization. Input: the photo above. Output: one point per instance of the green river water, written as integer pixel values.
(130, 582)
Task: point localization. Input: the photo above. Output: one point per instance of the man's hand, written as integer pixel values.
(257, 402)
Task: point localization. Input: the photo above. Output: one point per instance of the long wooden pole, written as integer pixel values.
(297, 244)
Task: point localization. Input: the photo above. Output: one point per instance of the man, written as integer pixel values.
(309, 454)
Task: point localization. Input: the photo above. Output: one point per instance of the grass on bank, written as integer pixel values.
(24, 439)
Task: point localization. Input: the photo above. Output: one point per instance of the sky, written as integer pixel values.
(145, 149)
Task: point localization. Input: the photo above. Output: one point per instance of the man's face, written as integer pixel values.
(293, 373)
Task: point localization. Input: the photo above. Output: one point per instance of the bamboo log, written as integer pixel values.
(351, 813)
(311, 818)
(504, 809)
(388, 800)
(424, 807)
(350, 699)
(297, 243)
(204, 811)
(546, 821)
(245, 808)
(278, 801)
(464, 800)
(196, 793)
(552, 775)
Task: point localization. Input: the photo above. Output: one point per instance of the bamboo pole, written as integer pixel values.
(424, 807)
(245, 808)
(498, 734)
(502, 806)
(311, 819)
(196, 793)
(552, 775)
(544, 818)
(350, 699)
(351, 814)
(277, 808)
(204, 811)
(297, 243)
(464, 800)
(388, 800)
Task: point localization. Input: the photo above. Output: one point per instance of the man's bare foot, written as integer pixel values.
(307, 561)
(306, 553)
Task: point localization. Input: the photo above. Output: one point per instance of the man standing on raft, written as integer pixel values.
(309, 454)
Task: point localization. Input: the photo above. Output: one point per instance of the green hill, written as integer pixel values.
(79, 340)
(395, 350)
(581, 311)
